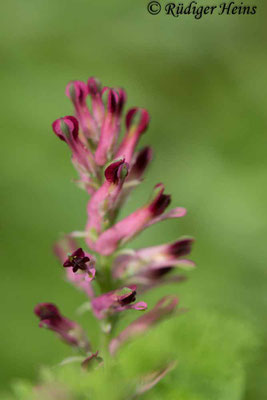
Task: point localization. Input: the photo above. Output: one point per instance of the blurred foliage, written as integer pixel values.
(204, 85)
(211, 365)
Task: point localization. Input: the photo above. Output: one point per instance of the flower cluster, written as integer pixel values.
(111, 277)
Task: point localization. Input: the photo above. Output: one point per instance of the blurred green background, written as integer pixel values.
(204, 84)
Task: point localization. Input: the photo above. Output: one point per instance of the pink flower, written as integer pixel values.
(137, 168)
(80, 280)
(102, 205)
(130, 226)
(116, 301)
(67, 129)
(77, 91)
(98, 108)
(69, 331)
(111, 125)
(137, 120)
(79, 260)
(150, 265)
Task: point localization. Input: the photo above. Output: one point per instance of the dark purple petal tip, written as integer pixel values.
(137, 118)
(116, 171)
(142, 160)
(160, 201)
(94, 86)
(46, 311)
(181, 247)
(121, 100)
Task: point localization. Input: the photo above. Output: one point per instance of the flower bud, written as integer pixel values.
(137, 120)
(77, 91)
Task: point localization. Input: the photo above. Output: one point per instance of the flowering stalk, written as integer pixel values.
(111, 277)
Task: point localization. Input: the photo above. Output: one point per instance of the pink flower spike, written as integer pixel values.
(130, 226)
(116, 301)
(164, 308)
(69, 331)
(137, 121)
(77, 91)
(102, 204)
(67, 129)
(79, 280)
(110, 127)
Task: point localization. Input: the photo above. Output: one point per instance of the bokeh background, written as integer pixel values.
(204, 83)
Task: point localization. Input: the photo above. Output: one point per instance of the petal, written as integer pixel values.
(116, 171)
(66, 128)
(177, 212)
(141, 306)
(137, 121)
(94, 90)
(110, 128)
(160, 200)
(81, 281)
(67, 264)
(78, 253)
(121, 232)
(116, 301)
(173, 250)
(140, 163)
(103, 203)
(77, 91)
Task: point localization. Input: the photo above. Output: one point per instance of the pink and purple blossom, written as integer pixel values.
(116, 301)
